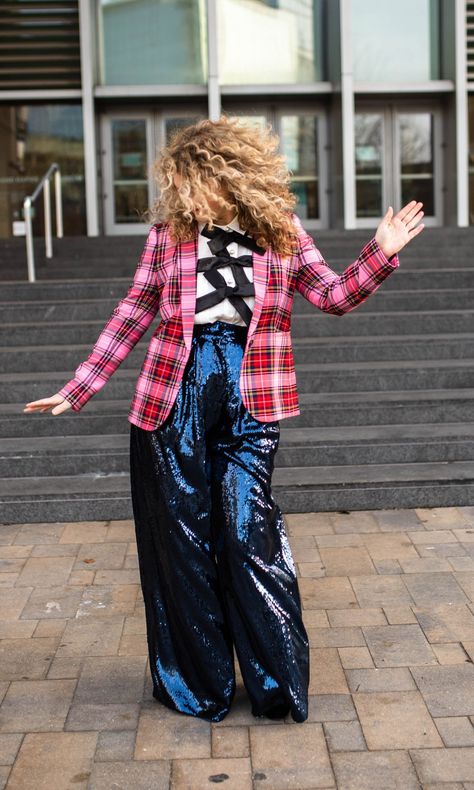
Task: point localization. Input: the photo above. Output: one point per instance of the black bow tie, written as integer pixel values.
(234, 293)
(220, 238)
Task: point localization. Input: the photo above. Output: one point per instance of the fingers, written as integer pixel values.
(408, 212)
(55, 403)
(411, 224)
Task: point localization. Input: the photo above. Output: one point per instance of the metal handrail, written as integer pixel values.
(27, 204)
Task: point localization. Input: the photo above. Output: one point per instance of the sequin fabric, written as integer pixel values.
(215, 563)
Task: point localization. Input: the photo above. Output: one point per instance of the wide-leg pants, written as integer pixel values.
(215, 564)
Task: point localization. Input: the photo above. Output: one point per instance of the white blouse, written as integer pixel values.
(225, 310)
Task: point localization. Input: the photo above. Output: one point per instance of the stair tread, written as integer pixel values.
(338, 340)
(295, 476)
(343, 436)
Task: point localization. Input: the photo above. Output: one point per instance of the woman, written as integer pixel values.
(222, 261)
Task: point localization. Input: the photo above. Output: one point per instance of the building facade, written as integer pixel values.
(373, 101)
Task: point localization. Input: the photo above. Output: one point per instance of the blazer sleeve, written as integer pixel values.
(125, 326)
(340, 293)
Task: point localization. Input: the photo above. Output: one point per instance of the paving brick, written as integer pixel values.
(234, 773)
(308, 523)
(387, 567)
(346, 560)
(124, 775)
(36, 705)
(331, 707)
(450, 653)
(390, 770)
(398, 645)
(108, 716)
(447, 690)
(55, 550)
(128, 576)
(9, 746)
(66, 667)
(396, 679)
(167, 734)
(356, 617)
(335, 637)
(425, 565)
(52, 602)
(284, 758)
(17, 629)
(103, 601)
(398, 519)
(455, 730)
(332, 592)
(441, 517)
(446, 550)
(230, 742)
(84, 532)
(388, 547)
(13, 602)
(446, 622)
(466, 582)
(399, 615)
(359, 521)
(32, 534)
(444, 765)
(108, 556)
(25, 658)
(91, 636)
(117, 678)
(396, 720)
(326, 672)
(462, 563)
(313, 569)
(344, 736)
(46, 628)
(427, 589)
(58, 760)
(380, 590)
(115, 745)
(355, 657)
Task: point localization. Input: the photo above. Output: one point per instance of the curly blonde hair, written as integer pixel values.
(244, 163)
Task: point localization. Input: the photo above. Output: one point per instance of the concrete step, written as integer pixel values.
(314, 324)
(351, 445)
(17, 359)
(311, 377)
(103, 417)
(50, 311)
(296, 489)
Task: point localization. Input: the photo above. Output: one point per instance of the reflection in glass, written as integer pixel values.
(177, 123)
(129, 169)
(153, 42)
(299, 144)
(416, 159)
(395, 41)
(368, 164)
(283, 41)
(32, 136)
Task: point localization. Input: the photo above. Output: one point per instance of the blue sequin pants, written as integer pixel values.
(215, 564)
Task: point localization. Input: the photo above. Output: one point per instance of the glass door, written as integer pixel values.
(130, 142)
(397, 159)
(302, 134)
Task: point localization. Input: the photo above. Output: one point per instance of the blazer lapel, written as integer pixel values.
(187, 256)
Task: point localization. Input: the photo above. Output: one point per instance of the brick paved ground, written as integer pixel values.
(388, 600)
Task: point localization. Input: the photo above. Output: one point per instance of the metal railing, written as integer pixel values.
(44, 184)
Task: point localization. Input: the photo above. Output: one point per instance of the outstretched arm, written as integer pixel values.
(126, 325)
(340, 293)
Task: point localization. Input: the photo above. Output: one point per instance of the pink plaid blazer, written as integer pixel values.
(165, 279)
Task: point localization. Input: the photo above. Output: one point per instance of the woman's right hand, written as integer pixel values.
(56, 403)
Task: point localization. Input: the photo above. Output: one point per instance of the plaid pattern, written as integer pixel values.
(165, 278)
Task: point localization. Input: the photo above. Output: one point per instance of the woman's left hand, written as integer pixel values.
(394, 232)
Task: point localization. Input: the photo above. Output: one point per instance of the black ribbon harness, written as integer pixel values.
(220, 257)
